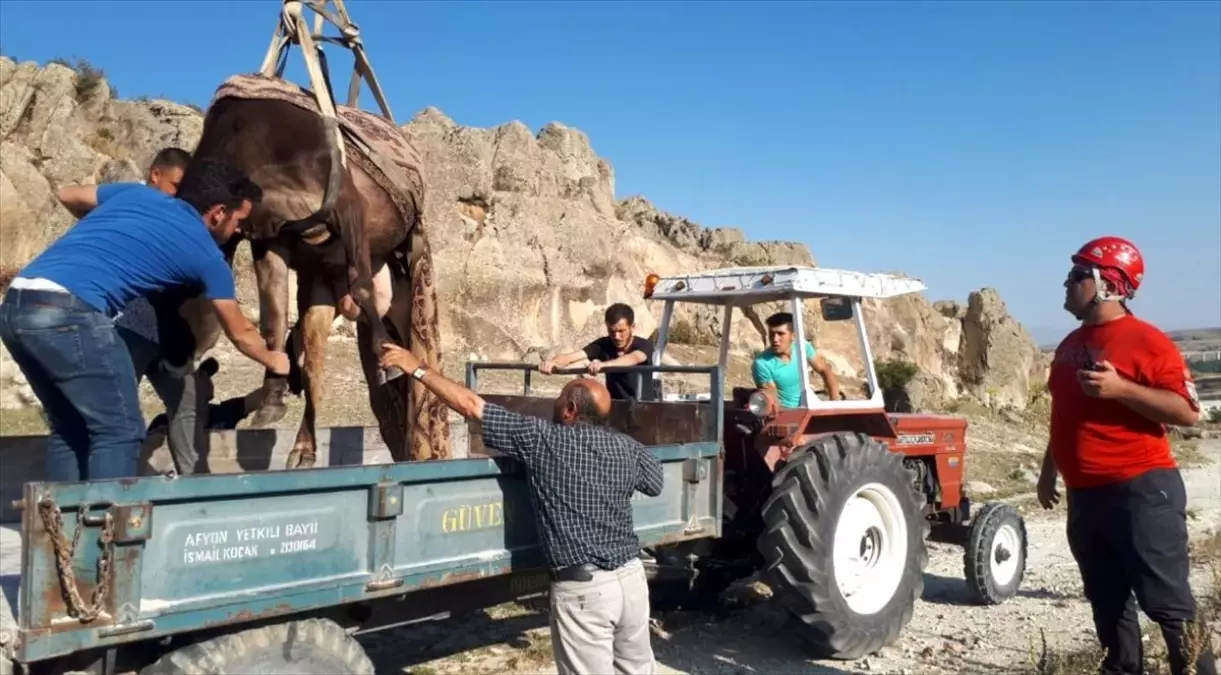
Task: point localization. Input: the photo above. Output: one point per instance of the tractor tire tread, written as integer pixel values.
(225, 654)
(976, 562)
(800, 515)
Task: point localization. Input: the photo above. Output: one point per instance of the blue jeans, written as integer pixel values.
(82, 374)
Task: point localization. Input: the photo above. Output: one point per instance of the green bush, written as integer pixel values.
(88, 78)
(894, 374)
(683, 332)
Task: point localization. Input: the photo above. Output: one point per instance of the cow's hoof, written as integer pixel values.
(269, 413)
(299, 458)
(385, 375)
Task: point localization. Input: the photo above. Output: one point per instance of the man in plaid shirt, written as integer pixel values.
(581, 478)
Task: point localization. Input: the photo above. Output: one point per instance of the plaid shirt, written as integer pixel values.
(581, 480)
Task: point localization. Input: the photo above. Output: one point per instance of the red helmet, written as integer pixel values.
(1117, 261)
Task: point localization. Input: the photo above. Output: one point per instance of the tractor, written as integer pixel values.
(830, 502)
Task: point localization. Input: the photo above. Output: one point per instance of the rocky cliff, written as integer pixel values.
(531, 241)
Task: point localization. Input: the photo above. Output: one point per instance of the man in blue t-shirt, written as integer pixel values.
(778, 368)
(147, 323)
(57, 318)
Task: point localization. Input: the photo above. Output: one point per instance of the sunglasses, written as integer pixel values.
(1078, 274)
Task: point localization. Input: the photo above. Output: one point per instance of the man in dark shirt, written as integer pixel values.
(581, 476)
(620, 347)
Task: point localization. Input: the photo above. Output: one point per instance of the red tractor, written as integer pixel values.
(831, 501)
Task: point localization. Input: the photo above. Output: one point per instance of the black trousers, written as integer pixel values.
(1130, 539)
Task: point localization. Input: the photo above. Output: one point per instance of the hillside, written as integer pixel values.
(531, 240)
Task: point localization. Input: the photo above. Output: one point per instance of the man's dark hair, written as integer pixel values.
(619, 311)
(171, 158)
(780, 319)
(586, 406)
(207, 183)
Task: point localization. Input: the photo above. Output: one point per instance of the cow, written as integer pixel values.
(355, 238)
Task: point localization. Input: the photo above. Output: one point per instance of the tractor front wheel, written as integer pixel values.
(844, 543)
(994, 558)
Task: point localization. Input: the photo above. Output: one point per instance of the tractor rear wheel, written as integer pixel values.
(844, 543)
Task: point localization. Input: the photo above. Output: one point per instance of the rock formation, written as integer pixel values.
(531, 242)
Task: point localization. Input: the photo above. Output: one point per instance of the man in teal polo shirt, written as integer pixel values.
(778, 368)
(57, 318)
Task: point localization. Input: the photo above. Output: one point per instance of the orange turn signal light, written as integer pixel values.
(650, 282)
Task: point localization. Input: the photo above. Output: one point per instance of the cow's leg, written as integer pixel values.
(387, 401)
(271, 272)
(414, 423)
(383, 290)
(315, 311)
(356, 244)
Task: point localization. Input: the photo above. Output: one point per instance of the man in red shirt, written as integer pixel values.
(1115, 383)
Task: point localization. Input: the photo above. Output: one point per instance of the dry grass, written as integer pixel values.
(1204, 631)
(103, 140)
(1047, 661)
(1187, 452)
(531, 653)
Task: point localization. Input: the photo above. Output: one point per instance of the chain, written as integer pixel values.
(53, 520)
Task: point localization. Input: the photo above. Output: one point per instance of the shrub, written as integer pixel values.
(88, 77)
(683, 332)
(895, 374)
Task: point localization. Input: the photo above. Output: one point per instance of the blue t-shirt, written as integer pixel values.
(768, 368)
(136, 242)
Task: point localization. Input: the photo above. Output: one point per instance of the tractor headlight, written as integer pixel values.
(760, 404)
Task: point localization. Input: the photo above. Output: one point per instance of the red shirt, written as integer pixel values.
(1095, 441)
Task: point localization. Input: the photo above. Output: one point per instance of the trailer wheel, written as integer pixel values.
(995, 555)
(305, 647)
(844, 543)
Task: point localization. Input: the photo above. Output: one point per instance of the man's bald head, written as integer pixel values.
(582, 400)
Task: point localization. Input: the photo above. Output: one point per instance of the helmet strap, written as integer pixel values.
(1103, 293)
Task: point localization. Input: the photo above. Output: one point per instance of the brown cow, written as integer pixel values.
(368, 250)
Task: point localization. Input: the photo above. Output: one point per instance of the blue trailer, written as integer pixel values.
(276, 571)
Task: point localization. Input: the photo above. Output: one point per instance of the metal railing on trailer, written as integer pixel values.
(715, 385)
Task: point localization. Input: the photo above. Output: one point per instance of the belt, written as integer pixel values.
(19, 297)
(583, 572)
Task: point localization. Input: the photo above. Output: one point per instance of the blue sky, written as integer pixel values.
(969, 144)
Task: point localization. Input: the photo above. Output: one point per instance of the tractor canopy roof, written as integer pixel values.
(741, 286)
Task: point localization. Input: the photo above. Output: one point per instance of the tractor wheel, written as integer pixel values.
(844, 543)
(995, 555)
(305, 647)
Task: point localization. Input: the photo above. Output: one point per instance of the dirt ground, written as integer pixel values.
(946, 635)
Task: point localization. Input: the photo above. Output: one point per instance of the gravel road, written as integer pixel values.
(945, 635)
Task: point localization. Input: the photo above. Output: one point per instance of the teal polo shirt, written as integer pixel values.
(770, 368)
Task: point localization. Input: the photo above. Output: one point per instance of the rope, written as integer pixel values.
(292, 29)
